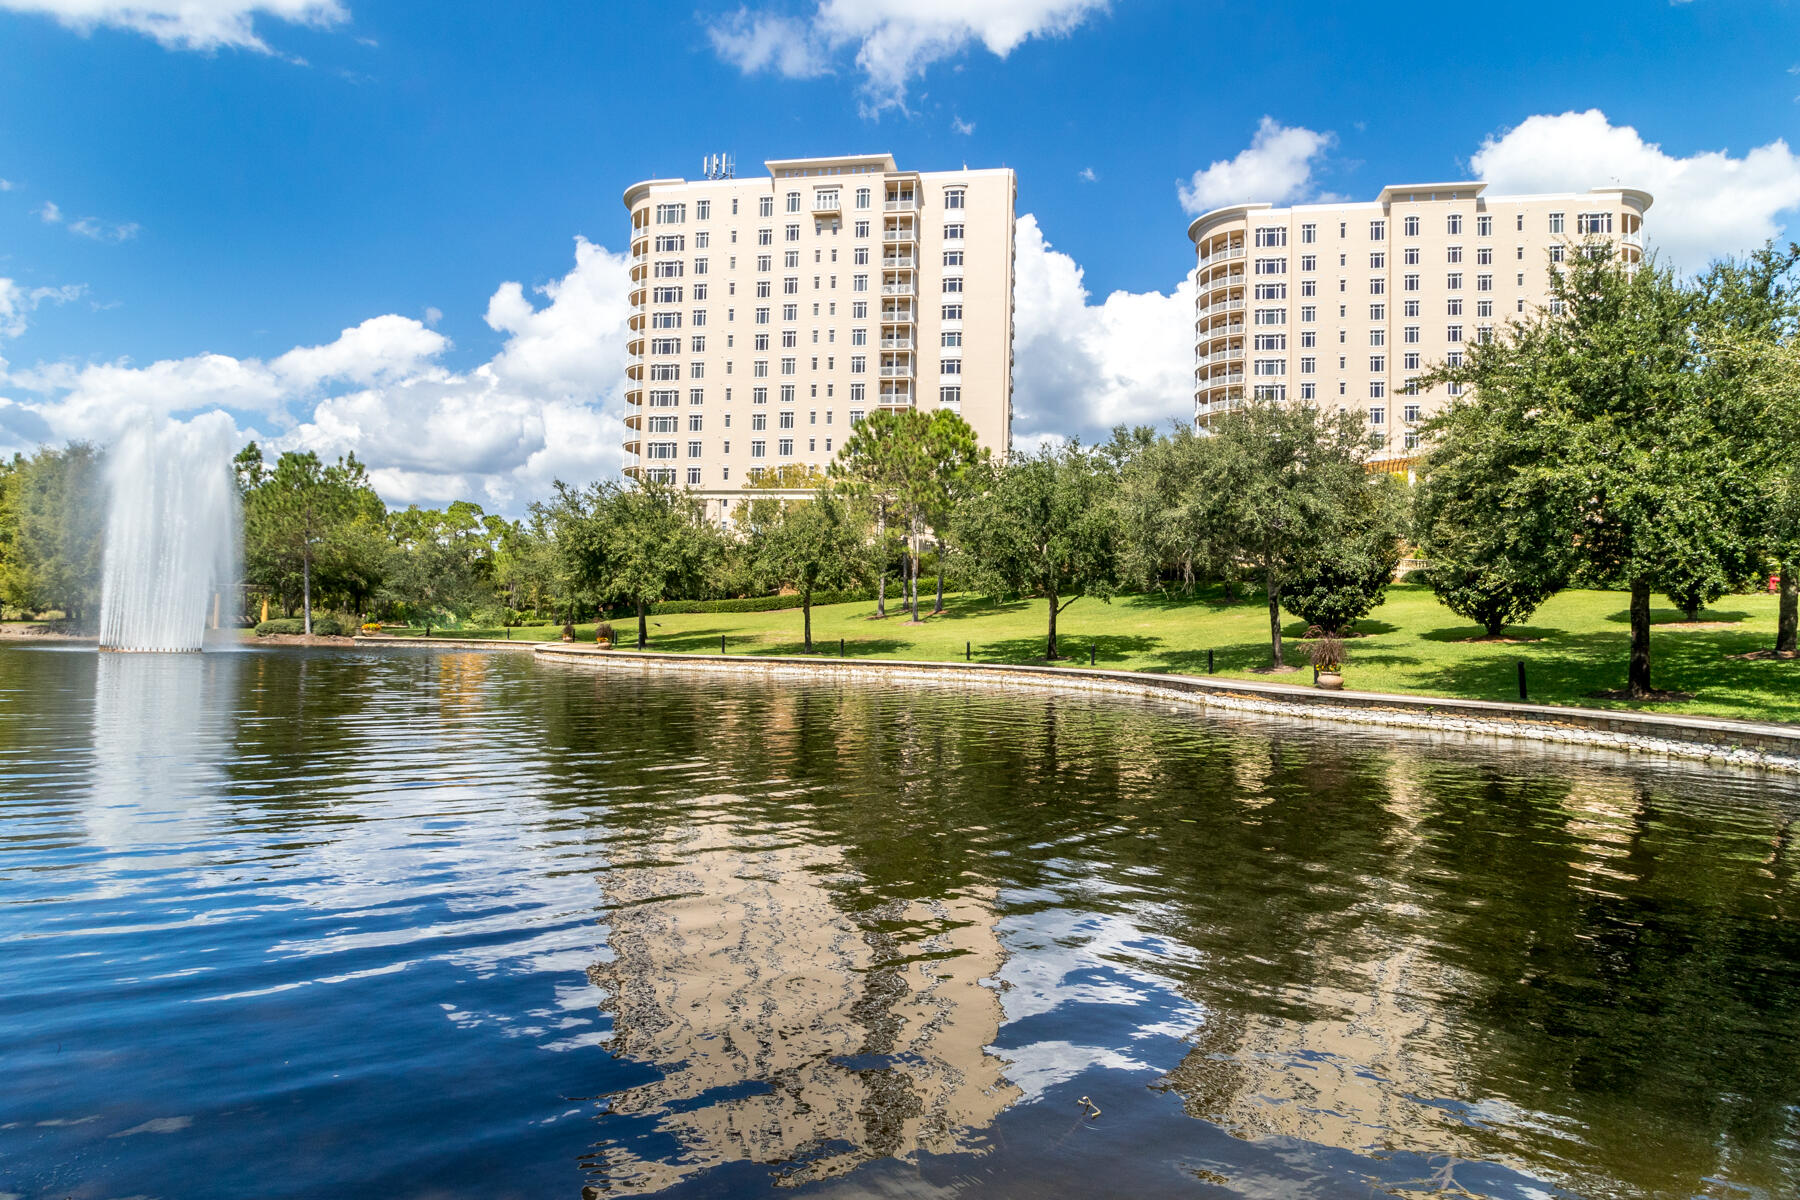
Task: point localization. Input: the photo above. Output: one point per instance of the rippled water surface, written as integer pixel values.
(440, 924)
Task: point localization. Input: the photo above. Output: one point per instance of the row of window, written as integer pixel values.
(824, 200)
(859, 311)
(1309, 313)
(1587, 223)
(948, 339)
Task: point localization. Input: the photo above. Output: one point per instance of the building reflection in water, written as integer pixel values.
(787, 1031)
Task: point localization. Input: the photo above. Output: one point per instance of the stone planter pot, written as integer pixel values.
(1331, 681)
(602, 644)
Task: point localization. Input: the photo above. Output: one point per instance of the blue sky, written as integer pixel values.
(241, 178)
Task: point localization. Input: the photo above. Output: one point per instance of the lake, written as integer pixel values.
(424, 923)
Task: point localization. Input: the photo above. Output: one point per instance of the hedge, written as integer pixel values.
(750, 604)
(322, 627)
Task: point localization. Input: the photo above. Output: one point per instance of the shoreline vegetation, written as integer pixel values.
(1409, 645)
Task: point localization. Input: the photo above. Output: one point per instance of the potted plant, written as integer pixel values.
(603, 635)
(1327, 654)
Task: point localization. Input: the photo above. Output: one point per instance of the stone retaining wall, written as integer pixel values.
(1704, 739)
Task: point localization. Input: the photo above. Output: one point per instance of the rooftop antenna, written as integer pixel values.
(718, 166)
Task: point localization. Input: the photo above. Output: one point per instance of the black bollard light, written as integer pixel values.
(1522, 679)
(840, 647)
(1091, 653)
(968, 651)
(721, 643)
(1209, 669)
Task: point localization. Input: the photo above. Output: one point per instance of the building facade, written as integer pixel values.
(1346, 304)
(770, 315)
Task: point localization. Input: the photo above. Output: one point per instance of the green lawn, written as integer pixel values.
(1577, 645)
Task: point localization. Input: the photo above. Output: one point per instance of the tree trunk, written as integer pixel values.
(306, 590)
(1637, 680)
(806, 616)
(940, 595)
(1275, 658)
(643, 628)
(1494, 628)
(1787, 623)
(1051, 652)
(881, 549)
(913, 571)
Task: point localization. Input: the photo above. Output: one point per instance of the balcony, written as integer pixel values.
(899, 289)
(633, 446)
(1222, 255)
(1634, 238)
(897, 343)
(899, 262)
(634, 395)
(894, 371)
(901, 204)
(826, 202)
(908, 234)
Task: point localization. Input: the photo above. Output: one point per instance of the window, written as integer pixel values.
(953, 283)
(952, 366)
(1271, 236)
(1309, 391)
(1410, 335)
(1410, 412)
(953, 258)
(1453, 308)
(788, 365)
(1270, 391)
(825, 200)
(856, 414)
(693, 476)
(793, 201)
(1377, 260)
(665, 320)
(859, 337)
(1410, 360)
(1484, 256)
(698, 344)
(668, 269)
(660, 372)
(662, 424)
(1377, 388)
(1309, 312)
(761, 342)
(760, 368)
(1271, 266)
(790, 338)
(1271, 316)
(951, 337)
(1453, 254)
(1593, 223)
(1309, 338)
(1377, 363)
(858, 365)
(953, 233)
(693, 450)
(862, 229)
(671, 214)
(1308, 365)
(1484, 308)
(702, 212)
(1309, 262)
(661, 450)
(698, 395)
(1377, 287)
(759, 448)
(1377, 231)
(1377, 312)
(1378, 415)
(759, 420)
(1453, 281)
(1343, 229)
(790, 285)
(694, 422)
(859, 311)
(949, 395)
(953, 197)
(664, 399)
(1411, 308)
(791, 259)
(1269, 366)
(787, 418)
(1271, 291)
(1271, 341)
(1453, 224)
(862, 200)
(670, 243)
(1556, 222)
(861, 257)
(1410, 227)
(1556, 254)
(1410, 283)
(1309, 287)
(699, 317)
(1453, 334)
(791, 233)
(1309, 234)
(757, 396)
(790, 312)
(1377, 337)
(952, 312)
(1484, 283)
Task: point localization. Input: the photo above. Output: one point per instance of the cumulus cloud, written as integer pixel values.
(548, 404)
(1707, 204)
(87, 227)
(186, 24)
(1081, 368)
(1276, 167)
(50, 214)
(895, 40)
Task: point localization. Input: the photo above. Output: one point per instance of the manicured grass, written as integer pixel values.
(1577, 644)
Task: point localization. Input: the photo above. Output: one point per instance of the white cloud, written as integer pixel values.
(1081, 368)
(7, 185)
(186, 24)
(895, 40)
(1086, 175)
(17, 301)
(1705, 204)
(958, 125)
(51, 214)
(87, 227)
(547, 405)
(1276, 167)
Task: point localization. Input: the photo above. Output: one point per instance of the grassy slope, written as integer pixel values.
(1413, 645)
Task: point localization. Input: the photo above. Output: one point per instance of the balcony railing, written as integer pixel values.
(900, 235)
(901, 204)
(1222, 255)
(896, 343)
(899, 262)
(899, 289)
(896, 371)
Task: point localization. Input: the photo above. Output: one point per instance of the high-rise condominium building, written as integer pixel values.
(770, 315)
(1345, 304)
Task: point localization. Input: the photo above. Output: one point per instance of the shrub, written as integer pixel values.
(603, 632)
(752, 604)
(288, 626)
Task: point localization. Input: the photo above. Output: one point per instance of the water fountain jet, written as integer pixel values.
(171, 533)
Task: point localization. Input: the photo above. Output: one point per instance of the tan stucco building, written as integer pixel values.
(770, 315)
(1344, 304)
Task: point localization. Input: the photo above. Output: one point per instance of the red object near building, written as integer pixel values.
(1774, 583)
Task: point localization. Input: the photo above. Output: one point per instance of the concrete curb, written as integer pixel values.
(448, 643)
(1707, 739)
